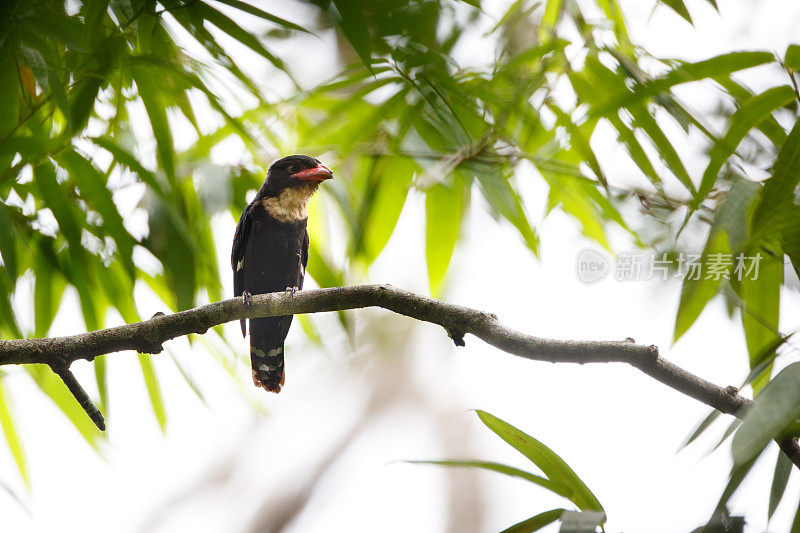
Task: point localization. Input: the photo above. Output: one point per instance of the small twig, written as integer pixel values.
(77, 391)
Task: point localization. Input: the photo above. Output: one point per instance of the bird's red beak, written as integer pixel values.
(318, 173)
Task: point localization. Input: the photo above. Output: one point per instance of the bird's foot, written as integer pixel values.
(247, 299)
(291, 290)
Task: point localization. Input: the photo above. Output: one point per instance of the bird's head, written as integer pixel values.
(290, 184)
(300, 172)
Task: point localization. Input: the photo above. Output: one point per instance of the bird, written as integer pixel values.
(270, 254)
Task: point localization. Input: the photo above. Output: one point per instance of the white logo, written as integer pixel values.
(591, 266)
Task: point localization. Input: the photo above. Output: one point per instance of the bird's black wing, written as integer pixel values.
(237, 256)
(303, 260)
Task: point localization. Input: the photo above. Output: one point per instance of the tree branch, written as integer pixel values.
(149, 335)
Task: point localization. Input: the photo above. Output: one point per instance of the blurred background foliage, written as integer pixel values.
(116, 115)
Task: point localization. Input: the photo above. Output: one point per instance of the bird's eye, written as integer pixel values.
(294, 167)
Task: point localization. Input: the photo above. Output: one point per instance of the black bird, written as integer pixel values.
(270, 254)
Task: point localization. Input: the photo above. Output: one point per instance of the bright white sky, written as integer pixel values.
(617, 428)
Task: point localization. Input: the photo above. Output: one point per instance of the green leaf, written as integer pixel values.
(697, 290)
(125, 158)
(790, 239)
(12, 436)
(792, 57)
(56, 197)
(778, 190)
(153, 390)
(386, 205)
(780, 479)
(761, 311)
(188, 378)
(157, 113)
(729, 431)
(8, 320)
(100, 376)
(503, 199)
(354, 27)
(680, 8)
(82, 102)
(796, 521)
(666, 151)
(546, 459)
(775, 407)
(634, 147)
(750, 113)
(701, 427)
(716, 67)
(55, 389)
(535, 523)
(230, 27)
(737, 475)
(770, 126)
(444, 208)
(47, 293)
(559, 488)
(9, 95)
(247, 8)
(613, 12)
(547, 25)
(733, 213)
(93, 189)
(8, 247)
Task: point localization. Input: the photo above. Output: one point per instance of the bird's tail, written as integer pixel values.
(266, 354)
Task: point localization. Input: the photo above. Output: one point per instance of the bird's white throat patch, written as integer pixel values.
(291, 204)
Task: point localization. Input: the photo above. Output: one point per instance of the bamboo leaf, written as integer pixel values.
(60, 204)
(680, 8)
(157, 113)
(47, 293)
(247, 8)
(547, 25)
(780, 479)
(92, 184)
(551, 464)
(778, 191)
(55, 389)
(750, 113)
(716, 67)
(153, 390)
(699, 286)
(354, 27)
(12, 435)
(128, 160)
(9, 95)
(535, 523)
(230, 27)
(188, 378)
(559, 488)
(701, 427)
(503, 199)
(101, 377)
(386, 205)
(8, 247)
(444, 207)
(761, 295)
(775, 407)
(792, 57)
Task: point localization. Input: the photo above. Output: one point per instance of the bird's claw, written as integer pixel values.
(291, 290)
(247, 299)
